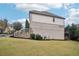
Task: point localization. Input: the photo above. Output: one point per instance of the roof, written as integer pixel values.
(77, 25)
(46, 14)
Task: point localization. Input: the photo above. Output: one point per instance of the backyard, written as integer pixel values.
(28, 47)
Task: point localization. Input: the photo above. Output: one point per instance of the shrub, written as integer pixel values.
(32, 36)
(38, 37)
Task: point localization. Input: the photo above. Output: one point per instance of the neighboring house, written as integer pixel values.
(1, 30)
(46, 24)
(67, 35)
(77, 25)
(9, 29)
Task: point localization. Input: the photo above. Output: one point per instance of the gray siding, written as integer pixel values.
(46, 19)
(51, 31)
(44, 25)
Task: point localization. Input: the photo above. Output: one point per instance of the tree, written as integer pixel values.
(77, 33)
(2, 25)
(6, 23)
(67, 28)
(67, 32)
(17, 26)
(73, 32)
(26, 25)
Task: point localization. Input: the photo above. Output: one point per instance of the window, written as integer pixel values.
(53, 19)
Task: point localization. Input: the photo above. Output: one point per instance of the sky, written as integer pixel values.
(20, 12)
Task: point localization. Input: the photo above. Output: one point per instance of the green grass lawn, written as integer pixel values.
(15, 46)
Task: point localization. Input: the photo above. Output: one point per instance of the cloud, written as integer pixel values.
(30, 6)
(67, 5)
(73, 16)
(60, 5)
(68, 21)
(74, 12)
(55, 5)
(42, 7)
(22, 21)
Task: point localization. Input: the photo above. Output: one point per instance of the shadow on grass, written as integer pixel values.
(20, 38)
(41, 40)
(76, 40)
(46, 39)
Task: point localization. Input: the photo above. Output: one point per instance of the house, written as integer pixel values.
(1, 30)
(77, 26)
(46, 24)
